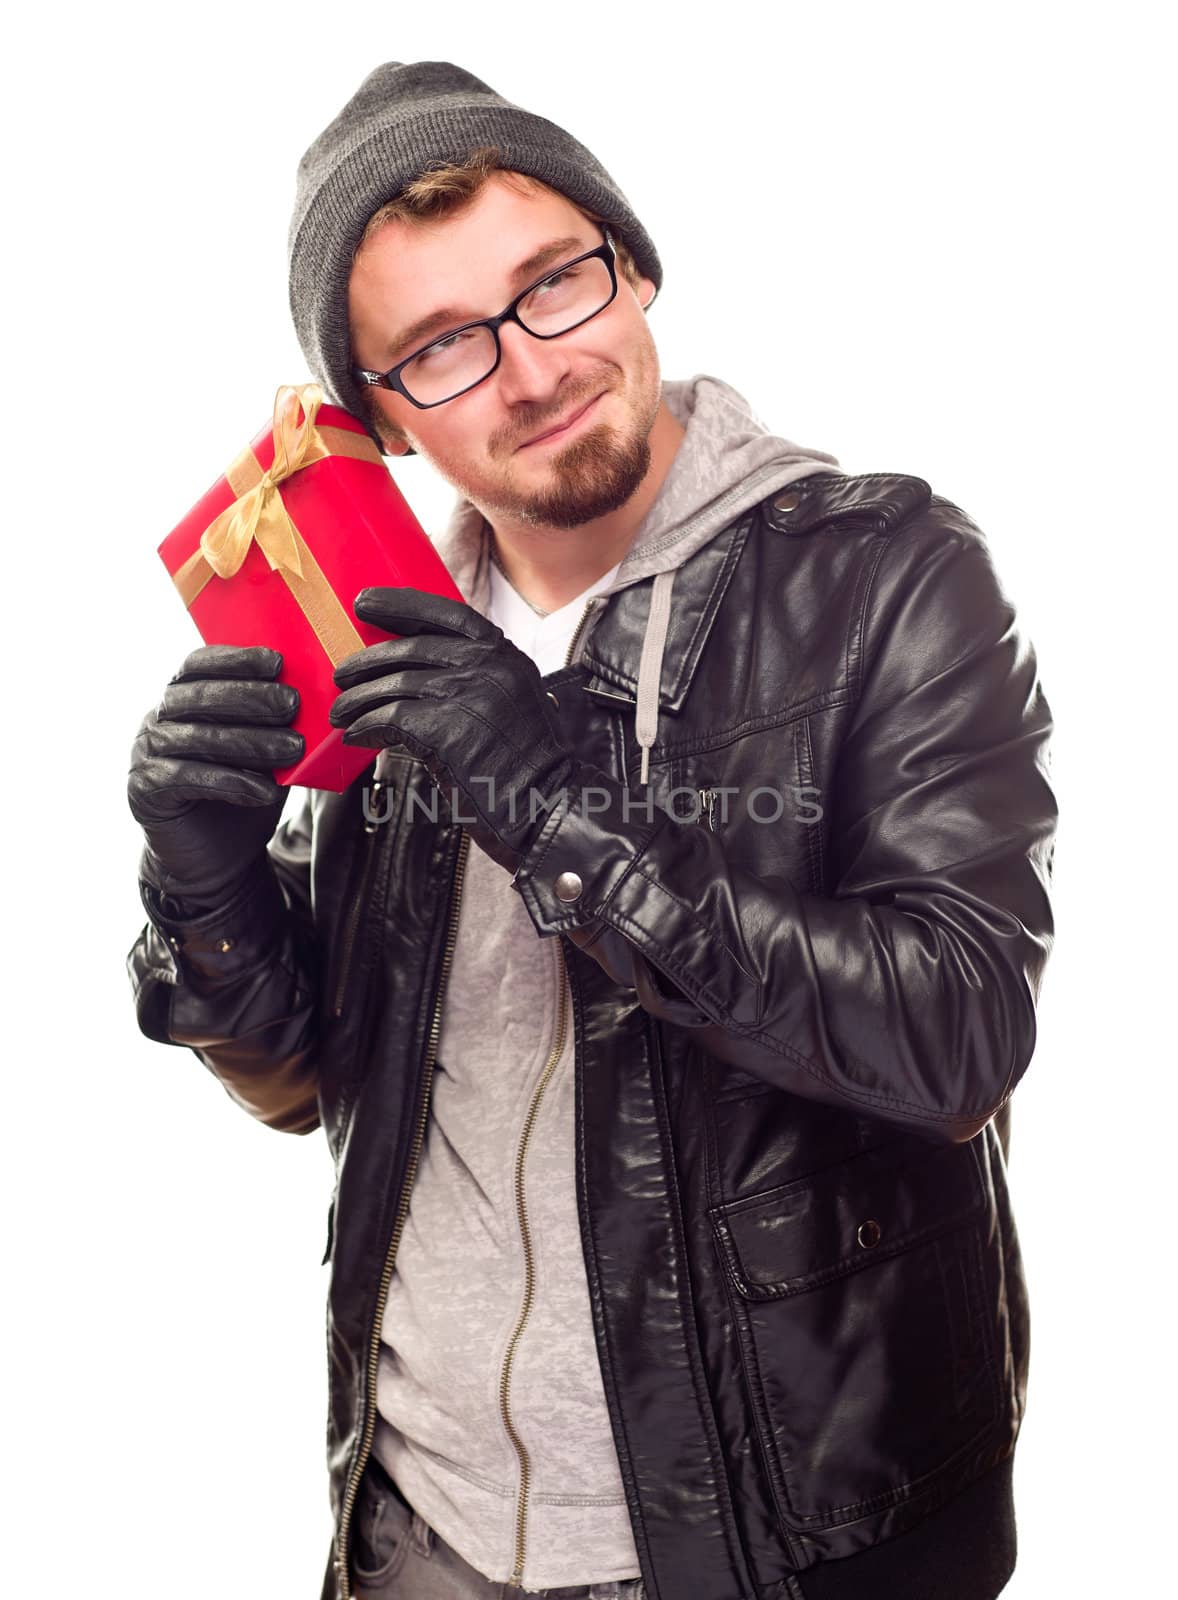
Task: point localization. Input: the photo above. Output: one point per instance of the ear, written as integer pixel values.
(392, 441)
(645, 291)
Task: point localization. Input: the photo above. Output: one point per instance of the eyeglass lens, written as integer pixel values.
(463, 359)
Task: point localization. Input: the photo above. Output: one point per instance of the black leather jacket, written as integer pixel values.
(797, 1028)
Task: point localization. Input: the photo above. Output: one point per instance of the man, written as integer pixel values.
(671, 1246)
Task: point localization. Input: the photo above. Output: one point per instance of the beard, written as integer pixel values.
(592, 476)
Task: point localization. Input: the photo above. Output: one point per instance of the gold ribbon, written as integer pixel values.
(259, 515)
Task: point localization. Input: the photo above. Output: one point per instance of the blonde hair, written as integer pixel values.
(443, 190)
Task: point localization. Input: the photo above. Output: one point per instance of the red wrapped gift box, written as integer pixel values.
(278, 549)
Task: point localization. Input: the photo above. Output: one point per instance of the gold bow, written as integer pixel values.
(259, 513)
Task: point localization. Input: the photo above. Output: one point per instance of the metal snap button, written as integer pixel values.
(869, 1233)
(553, 698)
(568, 887)
(224, 945)
(788, 500)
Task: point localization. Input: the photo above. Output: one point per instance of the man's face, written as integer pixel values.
(479, 441)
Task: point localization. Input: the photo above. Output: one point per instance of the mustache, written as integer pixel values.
(528, 423)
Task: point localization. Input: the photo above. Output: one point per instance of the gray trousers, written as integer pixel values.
(396, 1555)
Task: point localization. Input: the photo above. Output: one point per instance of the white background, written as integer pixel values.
(925, 238)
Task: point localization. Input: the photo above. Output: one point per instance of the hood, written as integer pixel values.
(726, 462)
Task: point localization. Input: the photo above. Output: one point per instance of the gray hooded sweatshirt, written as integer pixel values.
(492, 1417)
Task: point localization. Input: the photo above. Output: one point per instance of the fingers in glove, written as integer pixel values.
(229, 661)
(258, 749)
(376, 660)
(166, 788)
(411, 611)
(371, 733)
(231, 700)
(389, 710)
(376, 694)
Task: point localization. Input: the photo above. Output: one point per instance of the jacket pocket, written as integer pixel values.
(863, 1324)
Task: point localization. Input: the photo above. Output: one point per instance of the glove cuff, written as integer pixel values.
(183, 899)
(216, 941)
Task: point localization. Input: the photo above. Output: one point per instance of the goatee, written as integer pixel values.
(593, 476)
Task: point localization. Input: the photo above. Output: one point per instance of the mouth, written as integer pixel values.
(556, 435)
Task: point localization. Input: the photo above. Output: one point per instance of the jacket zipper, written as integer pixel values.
(351, 926)
(521, 1516)
(341, 1563)
(386, 1277)
(517, 1577)
(707, 800)
(589, 605)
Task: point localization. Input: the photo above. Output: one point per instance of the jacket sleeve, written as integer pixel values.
(236, 983)
(909, 992)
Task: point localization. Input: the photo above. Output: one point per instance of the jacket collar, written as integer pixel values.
(614, 647)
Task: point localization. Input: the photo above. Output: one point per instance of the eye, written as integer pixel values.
(558, 279)
(444, 347)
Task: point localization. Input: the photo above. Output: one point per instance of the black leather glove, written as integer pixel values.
(467, 703)
(201, 782)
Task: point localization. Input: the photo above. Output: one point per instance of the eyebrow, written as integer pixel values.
(451, 316)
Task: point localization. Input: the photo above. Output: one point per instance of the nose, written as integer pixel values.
(530, 369)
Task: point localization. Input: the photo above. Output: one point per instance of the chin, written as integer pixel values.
(593, 477)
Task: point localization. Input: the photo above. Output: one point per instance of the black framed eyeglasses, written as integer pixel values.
(555, 304)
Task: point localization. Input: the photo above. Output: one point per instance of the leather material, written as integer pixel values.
(201, 780)
(796, 1039)
(456, 693)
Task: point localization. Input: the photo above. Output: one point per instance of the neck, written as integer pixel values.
(551, 566)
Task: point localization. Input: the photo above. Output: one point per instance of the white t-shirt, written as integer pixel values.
(545, 639)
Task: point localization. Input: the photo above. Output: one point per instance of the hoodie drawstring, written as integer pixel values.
(650, 668)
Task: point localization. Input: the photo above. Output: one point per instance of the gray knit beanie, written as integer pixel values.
(402, 119)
